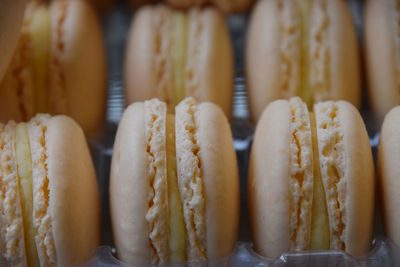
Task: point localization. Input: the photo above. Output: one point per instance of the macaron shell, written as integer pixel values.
(209, 64)
(128, 188)
(74, 203)
(268, 184)
(221, 181)
(78, 90)
(187, 3)
(11, 17)
(233, 6)
(389, 174)
(346, 154)
(11, 224)
(142, 83)
(381, 53)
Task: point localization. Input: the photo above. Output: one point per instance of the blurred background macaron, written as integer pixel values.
(49, 200)
(173, 54)
(174, 188)
(301, 48)
(58, 67)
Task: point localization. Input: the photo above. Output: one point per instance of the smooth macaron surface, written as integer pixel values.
(301, 48)
(159, 157)
(314, 187)
(174, 54)
(50, 202)
(389, 173)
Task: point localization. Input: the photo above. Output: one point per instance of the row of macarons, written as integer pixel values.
(174, 186)
(303, 48)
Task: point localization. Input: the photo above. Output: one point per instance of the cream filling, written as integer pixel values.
(320, 234)
(305, 92)
(40, 34)
(24, 174)
(178, 50)
(176, 223)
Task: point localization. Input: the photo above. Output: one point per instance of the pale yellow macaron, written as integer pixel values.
(382, 54)
(174, 188)
(389, 174)
(311, 179)
(173, 54)
(49, 201)
(58, 67)
(304, 48)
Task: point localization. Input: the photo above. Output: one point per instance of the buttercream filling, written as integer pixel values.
(11, 224)
(301, 176)
(332, 166)
(24, 173)
(176, 223)
(320, 234)
(178, 50)
(40, 37)
(190, 181)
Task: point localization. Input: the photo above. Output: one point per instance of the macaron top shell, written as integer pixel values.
(283, 180)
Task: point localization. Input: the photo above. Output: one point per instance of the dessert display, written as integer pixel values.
(174, 187)
(49, 201)
(301, 48)
(311, 179)
(58, 66)
(172, 54)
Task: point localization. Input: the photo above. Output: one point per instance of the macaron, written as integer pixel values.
(49, 201)
(389, 174)
(301, 48)
(382, 54)
(173, 54)
(174, 188)
(11, 16)
(311, 179)
(58, 67)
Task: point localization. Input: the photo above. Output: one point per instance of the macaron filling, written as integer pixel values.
(24, 174)
(178, 51)
(40, 34)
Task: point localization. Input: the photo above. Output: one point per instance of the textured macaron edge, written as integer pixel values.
(12, 244)
(389, 173)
